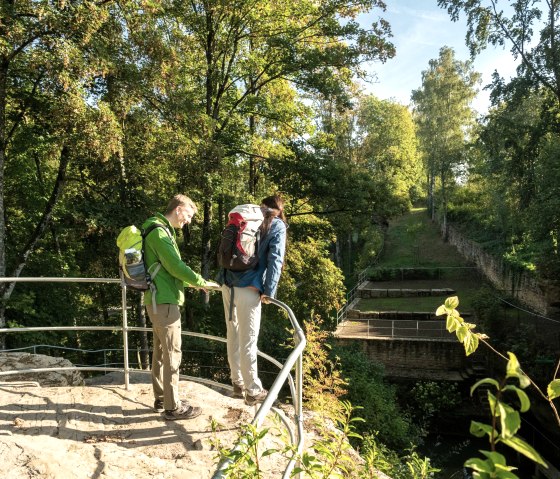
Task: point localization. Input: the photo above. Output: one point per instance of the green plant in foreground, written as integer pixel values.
(245, 460)
(506, 420)
(333, 457)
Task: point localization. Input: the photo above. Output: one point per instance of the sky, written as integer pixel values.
(420, 28)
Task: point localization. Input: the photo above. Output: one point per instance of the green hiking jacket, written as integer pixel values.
(174, 274)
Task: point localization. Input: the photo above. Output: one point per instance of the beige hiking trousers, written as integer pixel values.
(166, 357)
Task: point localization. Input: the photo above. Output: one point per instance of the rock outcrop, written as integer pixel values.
(19, 361)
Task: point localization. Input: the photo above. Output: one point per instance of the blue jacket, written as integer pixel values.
(266, 275)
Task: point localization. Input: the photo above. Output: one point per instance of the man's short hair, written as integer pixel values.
(180, 200)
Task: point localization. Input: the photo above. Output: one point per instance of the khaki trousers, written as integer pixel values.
(166, 357)
(242, 335)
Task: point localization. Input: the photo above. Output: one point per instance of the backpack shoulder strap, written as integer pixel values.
(153, 270)
(152, 227)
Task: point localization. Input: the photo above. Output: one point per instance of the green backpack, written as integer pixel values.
(133, 271)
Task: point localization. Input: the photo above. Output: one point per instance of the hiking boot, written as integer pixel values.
(158, 405)
(184, 411)
(237, 391)
(252, 400)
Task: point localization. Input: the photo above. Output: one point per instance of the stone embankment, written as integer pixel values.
(541, 296)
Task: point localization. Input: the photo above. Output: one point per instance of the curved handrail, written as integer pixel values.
(294, 359)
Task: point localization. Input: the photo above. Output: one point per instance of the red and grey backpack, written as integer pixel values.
(239, 244)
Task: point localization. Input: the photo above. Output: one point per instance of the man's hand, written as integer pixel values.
(265, 299)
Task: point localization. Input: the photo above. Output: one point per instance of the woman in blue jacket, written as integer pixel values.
(248, 290)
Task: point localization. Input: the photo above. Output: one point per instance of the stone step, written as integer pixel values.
(368, 293)
(398, 315)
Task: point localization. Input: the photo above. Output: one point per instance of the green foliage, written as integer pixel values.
(373, 239)
(323, 383)
(444, 119)
(505, 416)
(388, 150)
(311, 283)
(243, 461)
(506, 422)
(334, 458)
(459, 326)
(376, 398)
(428, 399)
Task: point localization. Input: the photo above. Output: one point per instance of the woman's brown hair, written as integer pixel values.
(274, 209)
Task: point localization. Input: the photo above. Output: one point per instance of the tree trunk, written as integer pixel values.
(21, 258)
(431, 197)
(3, 286)
(206, 259)
(144, 345)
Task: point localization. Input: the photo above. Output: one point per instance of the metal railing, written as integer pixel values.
(395, 328)
(294, 360)
(350, 297)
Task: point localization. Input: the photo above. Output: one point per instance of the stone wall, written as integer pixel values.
(540, 296)
(419, 359)
(365, 292)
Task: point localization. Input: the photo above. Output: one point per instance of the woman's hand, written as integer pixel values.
(265, 299)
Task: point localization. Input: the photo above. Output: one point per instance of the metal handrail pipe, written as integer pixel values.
(62, 368)
(66, 348)
(52, 279)
(133, 328)
(61, 328)
(293, 359)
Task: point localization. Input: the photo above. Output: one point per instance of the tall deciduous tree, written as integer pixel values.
(46, 59)
(443, 115)
(229, 58)
(388, 149)
(488, 23)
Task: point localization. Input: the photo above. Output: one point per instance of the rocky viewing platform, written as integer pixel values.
(55, 425)
(98, 429)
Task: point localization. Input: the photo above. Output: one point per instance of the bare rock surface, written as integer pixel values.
(103, 430)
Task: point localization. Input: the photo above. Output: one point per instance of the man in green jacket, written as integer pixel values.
(160, 245)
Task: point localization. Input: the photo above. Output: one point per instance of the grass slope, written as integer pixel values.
(413, 241)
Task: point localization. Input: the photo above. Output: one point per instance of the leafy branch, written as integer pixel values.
(506, 419)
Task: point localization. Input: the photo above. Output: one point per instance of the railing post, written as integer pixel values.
(125, 337)
(299, 394)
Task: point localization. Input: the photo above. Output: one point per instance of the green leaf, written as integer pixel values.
(522, 447)
(462, 332)
(495, 457)
(441, 310)
(525, 403)
(479, 465)
(490, 381)
(451, 324)
(505, 474)
(452, 302)
(492, 402)
(471, 343)
(553, 389)
(268, 452)
(479, 429)
(510, 421)
(513, 370)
